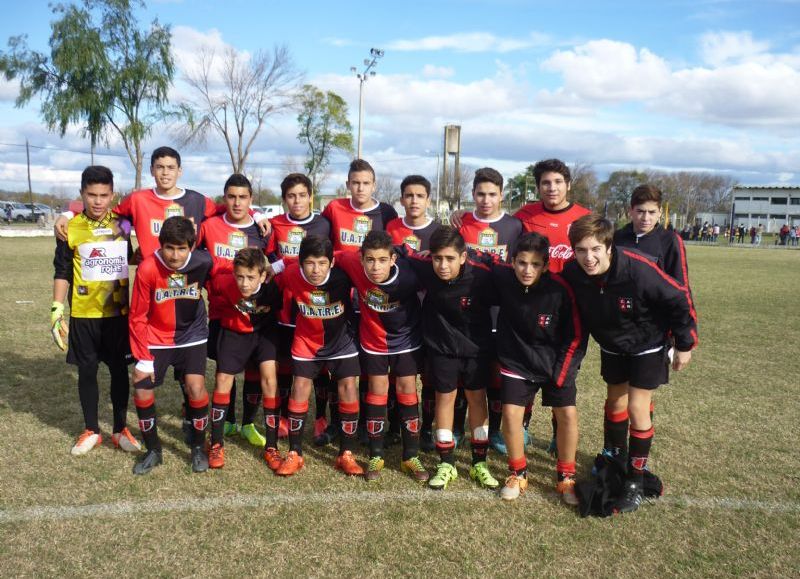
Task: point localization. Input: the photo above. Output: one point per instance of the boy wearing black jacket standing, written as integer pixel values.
(631, 308)
(540, 345)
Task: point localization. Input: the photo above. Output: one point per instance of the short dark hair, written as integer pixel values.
(535, 242)
(293, 179)
(315, 246)
(591, 225)
(360, 165)
(377, 239)
(251, 258)
(487, 175)
(177, 230)
(415, 180)
(238, 180)
(165, 152)
(551, 166)
(444, 237)
(645, 193)
(94, 174)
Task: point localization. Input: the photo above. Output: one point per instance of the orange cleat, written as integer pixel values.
(283, 428)
(346, 463)
(273, 458)
(320, 424)
(216, 456)
(291, 464)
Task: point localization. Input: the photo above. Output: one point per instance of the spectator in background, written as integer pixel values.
(8, 213)
(783, 234)
(793, 233)
(759, 233)
(715, 233)
(753, 235)
(740, 234)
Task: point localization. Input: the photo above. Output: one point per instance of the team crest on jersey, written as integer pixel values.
(412, 425)
(374, 427)
(173, 210)
(349, 427)
(237, 240)
(251, 307)
(319, 298)
(146, 424)
(413, 242)
(177, 280)
(361, 226)
(320, 306)
(625, 305)
(544, 320)
(466, 302)
(378, 301)
(200, 423)
(487, 238)
(294, 238)
(217, 414)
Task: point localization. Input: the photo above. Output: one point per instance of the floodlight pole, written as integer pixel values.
(363, 76)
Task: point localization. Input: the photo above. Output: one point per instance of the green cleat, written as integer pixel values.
(374, 469)
(251, 434)
(481, 475)
(231, 428)
(444, 474)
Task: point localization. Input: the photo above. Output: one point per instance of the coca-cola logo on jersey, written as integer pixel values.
(560, 251)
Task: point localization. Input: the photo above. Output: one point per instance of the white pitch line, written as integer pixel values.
(125, 508)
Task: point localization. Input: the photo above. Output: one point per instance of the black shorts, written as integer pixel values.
(188, 360)
(405, 364)
(448, 373)
(284, 336)
(236, 350)
(94, 340)
(520, 392)
(214, 327)
(647, 371)
(338, 367)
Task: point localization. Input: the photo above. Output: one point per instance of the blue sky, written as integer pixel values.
(675, 85)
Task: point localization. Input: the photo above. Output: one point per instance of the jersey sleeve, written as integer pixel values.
(212, 209)
(202, 233)
(675, 263)
(62, 261)
(675, 302)
(573, 337)
(139, 311)
(125, 207)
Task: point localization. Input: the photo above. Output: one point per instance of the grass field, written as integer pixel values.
(726, 447)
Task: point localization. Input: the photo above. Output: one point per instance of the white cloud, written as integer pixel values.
(9, 89)
(433, 71)
(338, 42)
(470, 42)
(720, 48)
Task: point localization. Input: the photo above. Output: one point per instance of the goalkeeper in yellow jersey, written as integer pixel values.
(91, 272)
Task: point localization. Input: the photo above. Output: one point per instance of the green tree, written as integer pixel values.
(614, 194)
(102, 72)
(324, 128)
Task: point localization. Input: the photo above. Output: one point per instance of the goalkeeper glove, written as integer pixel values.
(58, 327)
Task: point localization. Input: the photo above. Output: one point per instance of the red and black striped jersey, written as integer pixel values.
(288, 233)
(554, 225)
(539, 332)
(245, 315)
(223, 240)
(349, 225)
(455, 313)
(167, 308)
(634, 306)
(147, 210)
(417, 238)
(497, 236)
(390, 311)
(323, 328)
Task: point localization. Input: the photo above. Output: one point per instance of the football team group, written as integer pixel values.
(353, 304)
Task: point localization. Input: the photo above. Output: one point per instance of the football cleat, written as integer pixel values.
(125, 441)
(566, 488)
(514, 487)
(497, 443)
(631, 498)
(86, 442)
(199, 459)
(413, 466)
(346, 463)
(291, 464)
(216, 456)
(251, 434)
(283, 428)
(273, 458)
(148, 462)
(320, 424)
(231, 428)
(481, 475)
(374, 468)
(445, 473)
(329, 435)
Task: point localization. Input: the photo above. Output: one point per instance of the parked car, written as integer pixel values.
(48, 211)
(23, 212)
